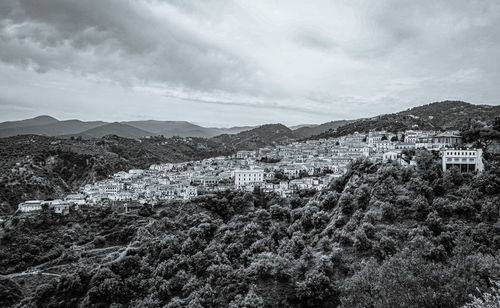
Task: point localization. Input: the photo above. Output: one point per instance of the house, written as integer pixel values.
(77, 199)
(122, 196)
(59, 206)
(385, 145)
(245, 154)
(205, 180)
(466, 160)
(447, 138)
(246, 177)
(389, 156)
(292, 171)
(30, 206)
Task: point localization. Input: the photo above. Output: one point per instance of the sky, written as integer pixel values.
(229, 63)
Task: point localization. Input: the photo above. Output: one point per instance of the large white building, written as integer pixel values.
(246, 177)
(469, 160)
(30, 206)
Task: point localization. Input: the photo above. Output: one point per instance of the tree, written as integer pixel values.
(251, 300)
(489, 299)
(10, 292)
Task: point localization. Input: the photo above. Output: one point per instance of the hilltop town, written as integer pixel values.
(282, 169)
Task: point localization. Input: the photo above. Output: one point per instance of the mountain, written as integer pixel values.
(49, 126)
(115, 128)
(295, 127)
(446, 115)
(452, 114)
(166, 128)
(230, 130)
(269, 134)
(308, 131)
(57, 128)
(40, 120)
(183, 128)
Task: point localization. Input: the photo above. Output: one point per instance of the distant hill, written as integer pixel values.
(57, 128)
(295, 127)
(269, 134)
(446, 115)
(118, 129)
(40, 120)
(165, 128)
(183, 129)
(49, 126)
(308, 131)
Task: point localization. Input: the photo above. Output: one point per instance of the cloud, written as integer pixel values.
(124, 41)
(327, 59)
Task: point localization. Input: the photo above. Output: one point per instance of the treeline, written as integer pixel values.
(380, 236)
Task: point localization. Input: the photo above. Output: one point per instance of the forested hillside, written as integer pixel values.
(446, 115)
(269, 134)
(380, 236)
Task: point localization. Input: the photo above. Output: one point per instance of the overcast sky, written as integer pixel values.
(227, 63)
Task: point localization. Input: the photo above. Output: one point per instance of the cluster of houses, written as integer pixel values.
(281, 169)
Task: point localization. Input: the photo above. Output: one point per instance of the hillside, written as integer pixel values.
(446, 115)
(40, 120)
(453, 114)
(269, 134)
(308, 131)
(380, 236)
(183, 129)
(52, 129)
(118, 129)
(38, 167)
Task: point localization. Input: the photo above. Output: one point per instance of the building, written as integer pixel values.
(245, 154)
(30, 206)
(468, 160)
(59, 206)
(246, 177)
(78, 199)
(390, 156)
(447, 138)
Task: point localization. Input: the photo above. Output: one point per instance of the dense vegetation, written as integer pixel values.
(381, 236)
(269, 134)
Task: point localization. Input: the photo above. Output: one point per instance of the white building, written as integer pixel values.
(390, 156)
(245, 154)
(30, 206)
(245, 177)
(78, 199)
(469, 160)
(59, 206)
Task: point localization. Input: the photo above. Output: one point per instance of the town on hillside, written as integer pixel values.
(283, 170)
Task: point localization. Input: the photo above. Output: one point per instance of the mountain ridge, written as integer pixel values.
(444, 115)
(50, 126)
(437, 115)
